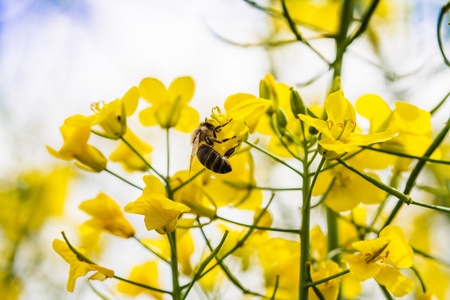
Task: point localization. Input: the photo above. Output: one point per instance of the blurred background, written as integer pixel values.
(59, 56)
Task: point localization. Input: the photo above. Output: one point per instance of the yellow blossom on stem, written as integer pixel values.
(107, 215)
(128, 158)
(76, 131)
(161, 213)
(338, 132)
(112, 117)
(412, 125)
(381, 258)
(146, 274)
(348, 189)
(169, 106)
(329, 289)
(78, 267)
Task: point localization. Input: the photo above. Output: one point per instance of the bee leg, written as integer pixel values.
(230, 152)
(211, 141)
(219, 128)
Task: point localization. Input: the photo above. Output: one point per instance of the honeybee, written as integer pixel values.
(203, 140)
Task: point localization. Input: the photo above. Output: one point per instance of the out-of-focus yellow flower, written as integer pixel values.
(112, 117)
(233, 188)
(427, 296)
(107, 215)
(169, 106)
(160, 212)
(146, 274)
(76, 131)
(185, 246)
(79, 268)
(351, 287)
(380, 259)
(347, 232)
(29, 200)
(319, 247)
(321, 15)
(348, 190)
(338, 131)
(129, 160)
(412, 124)
(435, 277)
(10, 286)
(280, 257)
(329, 289)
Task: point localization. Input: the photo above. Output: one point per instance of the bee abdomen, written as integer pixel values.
(213, 160)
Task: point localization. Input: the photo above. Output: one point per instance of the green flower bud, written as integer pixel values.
(297, 105)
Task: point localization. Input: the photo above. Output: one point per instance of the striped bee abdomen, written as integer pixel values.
(213, 160)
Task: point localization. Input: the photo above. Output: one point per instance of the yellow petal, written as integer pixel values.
(153, 184)
(400, 253)
(320, 125)
(394, 281)
(411, 118)
(147, 116)
(131, 100)
(373, 108)
(182, 88)
(338, 108)
(360, 268)
(154, 91)
(188, 121)
(145, 274)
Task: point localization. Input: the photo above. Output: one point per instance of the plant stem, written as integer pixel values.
(417, 169)
(327, 278)
(273, 157)
(123, 179)
(176, 291)
(295, 231)
(143, 159)
(151, 250)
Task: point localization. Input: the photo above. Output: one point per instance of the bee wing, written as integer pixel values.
(195, 145)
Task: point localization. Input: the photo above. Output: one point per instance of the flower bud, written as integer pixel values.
(297, 105)
(281, 118)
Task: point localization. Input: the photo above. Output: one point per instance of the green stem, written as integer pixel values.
(204, 264)
(364, 21)
(150, 249)
(386, 292)
(241, 242)
(273, 157)
(437, 161)
(176, 291)
(332, 235)
(315, 289)
(143, 285)
(142, 158)
(294, 231)
(417, 169)
(277, 279)
(241, 186)
(168, 154)
(297, 34)
(186, 182)
(226, 270)
(422, 283)
(327, 278)
(123, 179)
(443, 11)
(434, 110)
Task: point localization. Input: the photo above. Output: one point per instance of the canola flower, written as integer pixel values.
(381, 258)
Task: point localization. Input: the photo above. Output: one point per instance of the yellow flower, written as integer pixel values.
(169, 106)
(380, 259)
(348, 190)
(112, 117)
(160, 212)
(338, 136)
(329, 289)
(412, 125)
(79, 268)
(107, 215)
(321, 15)
(247, 107)
(76, 131)
(280, 257)
(146, 274)
(185, 246)
(37, 195)
(427, 296)
(128, 158)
